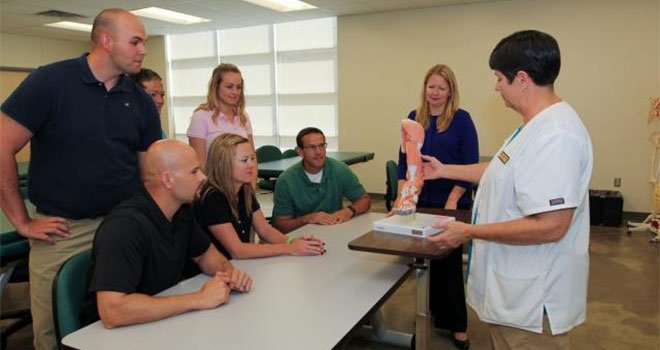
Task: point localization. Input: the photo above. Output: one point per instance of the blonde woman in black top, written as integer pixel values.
(228, 207)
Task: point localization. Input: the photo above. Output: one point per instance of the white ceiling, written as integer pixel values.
(19, 16)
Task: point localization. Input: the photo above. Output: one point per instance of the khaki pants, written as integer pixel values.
(45, 260)
(505, 338)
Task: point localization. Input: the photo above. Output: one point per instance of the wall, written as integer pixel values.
(156, 61)
(21, 51)
(610, 54)
(9, 79)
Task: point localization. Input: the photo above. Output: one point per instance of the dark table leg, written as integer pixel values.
(422, 318)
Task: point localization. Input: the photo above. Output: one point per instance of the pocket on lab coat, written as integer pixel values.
(514, 301)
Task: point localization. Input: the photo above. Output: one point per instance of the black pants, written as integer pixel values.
(447, 291)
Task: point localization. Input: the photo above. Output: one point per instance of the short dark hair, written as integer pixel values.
(531, 51)
(144, 75)
(306, 131)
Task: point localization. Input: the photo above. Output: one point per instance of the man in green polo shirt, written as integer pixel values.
(311, 191)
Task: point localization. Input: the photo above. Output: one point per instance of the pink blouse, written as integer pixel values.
(202, 126)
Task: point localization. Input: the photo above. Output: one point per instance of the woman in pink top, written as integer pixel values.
(222, 113)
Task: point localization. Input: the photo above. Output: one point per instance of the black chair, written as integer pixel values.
(391, 183)
(290, 153)
(14, 253)
(267, 153)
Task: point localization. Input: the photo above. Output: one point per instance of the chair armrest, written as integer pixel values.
(13, 247)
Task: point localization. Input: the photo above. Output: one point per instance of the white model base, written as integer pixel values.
(416, 225)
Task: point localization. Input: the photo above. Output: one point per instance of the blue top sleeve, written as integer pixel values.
(458, 144)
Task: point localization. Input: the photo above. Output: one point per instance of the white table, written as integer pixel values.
(296, 302)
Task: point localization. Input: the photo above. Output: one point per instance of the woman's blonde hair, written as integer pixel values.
(219, 168)
(423, 111)
(213, 100)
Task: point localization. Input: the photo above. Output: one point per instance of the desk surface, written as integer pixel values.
(276, 167)
(403, 245)
(296, 302)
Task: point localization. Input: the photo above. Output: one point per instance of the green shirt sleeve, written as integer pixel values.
(282, 201)
(351, 186)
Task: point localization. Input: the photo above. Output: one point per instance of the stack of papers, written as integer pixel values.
(416, 225)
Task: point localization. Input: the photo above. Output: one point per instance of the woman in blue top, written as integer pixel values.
(452, 138)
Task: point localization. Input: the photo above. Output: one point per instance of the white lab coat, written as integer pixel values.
(544, 167)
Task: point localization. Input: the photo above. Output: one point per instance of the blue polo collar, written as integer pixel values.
(124, 83)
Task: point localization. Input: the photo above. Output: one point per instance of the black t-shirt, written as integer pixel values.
(137, 250)
(214, 209)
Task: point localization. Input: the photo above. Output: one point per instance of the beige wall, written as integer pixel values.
(9, 79)
(156, 60)
(610, 54)
(20, 51)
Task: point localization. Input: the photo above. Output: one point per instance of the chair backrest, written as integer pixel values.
(290, 153)
(267, 153)
(391, 183)
(69, 292)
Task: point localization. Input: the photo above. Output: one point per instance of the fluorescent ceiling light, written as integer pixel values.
(72, 25)
(283, 5)
(168, 16)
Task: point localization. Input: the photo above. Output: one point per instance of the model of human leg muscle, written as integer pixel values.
(412, 138)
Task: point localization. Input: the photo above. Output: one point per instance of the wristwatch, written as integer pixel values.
(353, 211)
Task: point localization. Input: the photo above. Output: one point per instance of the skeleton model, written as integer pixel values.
(412, 138)
(652, 222)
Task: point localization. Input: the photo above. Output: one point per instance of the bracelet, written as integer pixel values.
(290, 240)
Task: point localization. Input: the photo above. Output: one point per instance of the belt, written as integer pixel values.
(42, 212)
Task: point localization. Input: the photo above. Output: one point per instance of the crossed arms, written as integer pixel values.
(120, 309)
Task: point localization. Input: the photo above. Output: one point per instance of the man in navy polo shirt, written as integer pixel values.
(88, 125)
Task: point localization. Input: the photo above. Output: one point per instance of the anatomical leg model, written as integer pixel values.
(652, 222)
(412, 138)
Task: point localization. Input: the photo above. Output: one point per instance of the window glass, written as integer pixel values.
(303, 35)
(246, 40)
(193, 45)
(289, 71)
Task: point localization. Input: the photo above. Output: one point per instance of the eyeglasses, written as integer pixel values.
(320, 146)
(153, 94)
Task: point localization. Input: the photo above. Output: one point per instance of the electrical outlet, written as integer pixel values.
(617, 182)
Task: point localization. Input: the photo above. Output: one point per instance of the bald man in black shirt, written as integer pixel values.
(142, 246)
